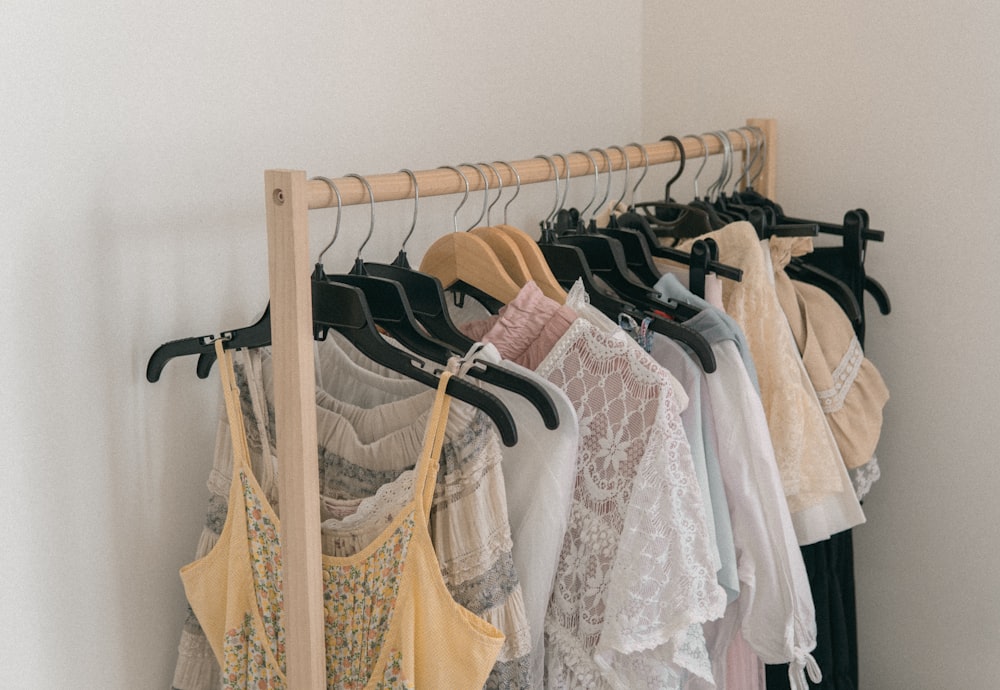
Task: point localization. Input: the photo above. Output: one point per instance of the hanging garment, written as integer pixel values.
(807, 456)
(671, 356)
(853, 395)
(830, 565)
(744, 669)
(775, 608)
(720, 325)
(775, 612)
(469, 521)
(836, 511)
(635, 578)
(531, 325)
(538, 493)
(390, 621)
(849, 387)
(713, 283)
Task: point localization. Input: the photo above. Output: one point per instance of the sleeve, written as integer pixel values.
(776, 608)
(663, 584)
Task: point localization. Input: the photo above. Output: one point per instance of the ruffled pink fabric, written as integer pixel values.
(526, 329)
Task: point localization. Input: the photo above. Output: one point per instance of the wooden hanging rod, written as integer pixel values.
(395, 186)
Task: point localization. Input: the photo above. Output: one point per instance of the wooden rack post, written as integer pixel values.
(295, 421)
(288, 198)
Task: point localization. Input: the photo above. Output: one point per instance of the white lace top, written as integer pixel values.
(636, 574)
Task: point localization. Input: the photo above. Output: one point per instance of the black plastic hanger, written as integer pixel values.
(606, 258)
(752, 197)
(860, 237)
(833, 286)
(669, 218)
(767, 228)
(399, 321)
(421, 286)
(569, 264)
(846, 262)
(637, 253)
(638, 222)
(343, 308)
(637, 256)
(702, 203)
(391, 309)
(700, 256)
(255, 335)
(388, 304)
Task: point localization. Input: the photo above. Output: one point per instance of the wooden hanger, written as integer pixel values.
(504, 247)
(529, 256)
(463, 258)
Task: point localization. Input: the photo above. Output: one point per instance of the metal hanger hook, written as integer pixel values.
(751, 157)
(761, 140)
(517, 191)
(489, 208)
(607, 188)
(486, 192)
(746, 147)
(717, 184)
(416, 203)
(727, 147)
(555, 173)
(645, 169)
(704, 159)
(621, 150)
(454, 216)
(565, 160)
(593, 197)
(340, 207)
(682, 157)
(371, 207)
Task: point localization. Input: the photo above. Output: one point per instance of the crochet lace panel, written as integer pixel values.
(864, 477)
(635, 567)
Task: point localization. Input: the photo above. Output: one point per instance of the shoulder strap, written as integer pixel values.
(231, 393)
(430, 456)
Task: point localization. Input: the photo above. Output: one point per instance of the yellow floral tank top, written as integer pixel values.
(390, 621)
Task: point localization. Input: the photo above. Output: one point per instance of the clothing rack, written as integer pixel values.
(289, 197)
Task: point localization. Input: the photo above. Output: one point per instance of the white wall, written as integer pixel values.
(133, 140)
(134, 136)
(890, 106)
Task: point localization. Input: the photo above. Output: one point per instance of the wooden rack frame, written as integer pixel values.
(289, 197)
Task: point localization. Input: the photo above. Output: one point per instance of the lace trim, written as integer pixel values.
(353, 514)
(643, 374)
(864, 477)
(843, 378)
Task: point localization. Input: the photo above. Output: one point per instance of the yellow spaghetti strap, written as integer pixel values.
(430, 456)
(231, 393)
